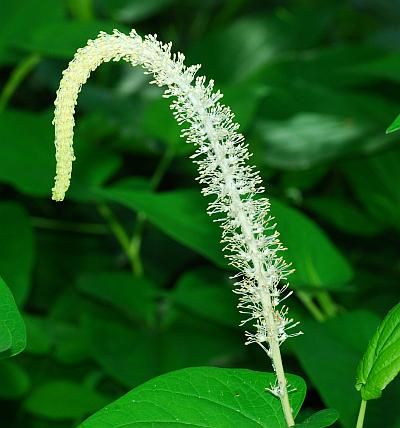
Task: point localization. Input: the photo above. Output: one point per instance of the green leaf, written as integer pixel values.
(375, 181)
(383, 67)
(17, 249)
(329, 353)
(344, 215)
(12, 327)
(46, 41)
(134, 297)
(63, 399)
(206, 294)
(15, 381)
(158, 123)
(306, 139)
(381, 361)
(23, 147)
(132, 355)
(26, 157)
(321, 419)
(5, 335)
(24, 18)
(309, 249)
(244, 98)
(394, 126)
(204, 397)
(181, 214)
(128, 11)
(365, 109)
(235, 45)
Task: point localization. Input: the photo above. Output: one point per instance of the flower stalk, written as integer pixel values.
(251, 241)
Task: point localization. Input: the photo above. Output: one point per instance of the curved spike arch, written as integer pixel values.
(251, 241)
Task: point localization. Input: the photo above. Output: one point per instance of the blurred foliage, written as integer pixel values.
(125, 280)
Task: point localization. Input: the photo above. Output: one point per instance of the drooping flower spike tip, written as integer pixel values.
(250, 240)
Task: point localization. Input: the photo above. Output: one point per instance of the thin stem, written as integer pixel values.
(361, 414)
(308, 302)
(136, 239)
(122, 237)
(162, 167)
(17, 76)
(327, 304)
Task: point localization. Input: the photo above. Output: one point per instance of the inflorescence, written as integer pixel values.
(249, 236)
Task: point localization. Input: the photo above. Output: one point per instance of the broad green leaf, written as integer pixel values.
(344, 215)
(395, 125)
(268, 34)
(383, 67)
(46, 41)
(15, 381)
(310, 250)
(307, 139)
(180, 214)
(158, 122)
(329, 353)
(208, 295)
(333, 66)
(244, 98)
(134, 297)
(5, 335)
(321, 419)
(26, 153)
(24, 18)
(235, 45)
(63, 399)
(128, 11)
(381, 362)
(12, 327)
(366, 110)
(375, 181)
(132, 355)
(204, 397)
(27, 156)
(17, 249)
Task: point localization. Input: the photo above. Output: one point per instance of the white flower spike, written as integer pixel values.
(251, 241)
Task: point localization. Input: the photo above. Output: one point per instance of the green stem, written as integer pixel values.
(162, 167)
(122, 237)
(132, 246)
(136, 239)
(17, 76)
(327, 304)
(308, 302)
(361, 414)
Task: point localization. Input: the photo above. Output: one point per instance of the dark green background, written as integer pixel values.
(314, 84)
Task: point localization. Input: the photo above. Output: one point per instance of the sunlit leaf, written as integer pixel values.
(12, 327)
(207, 397)
(381, 361)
